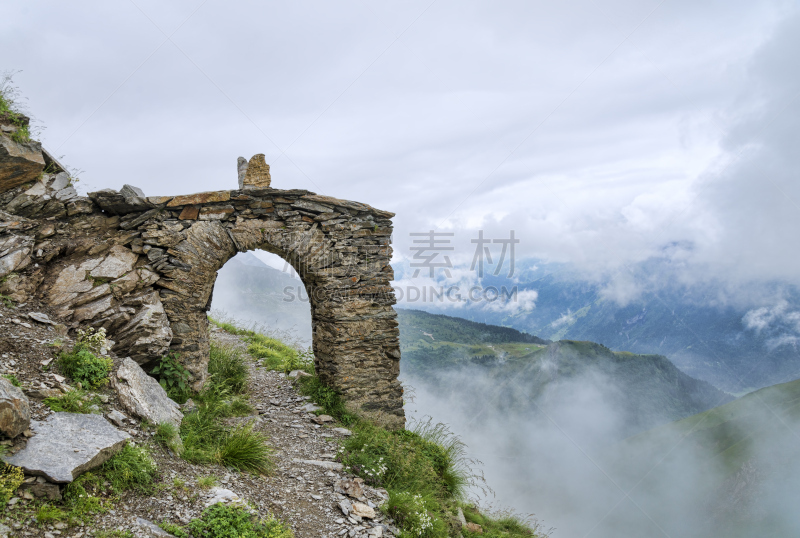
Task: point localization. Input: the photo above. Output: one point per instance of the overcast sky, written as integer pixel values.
(603, 133)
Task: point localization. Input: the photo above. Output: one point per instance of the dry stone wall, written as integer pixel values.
(144, 268)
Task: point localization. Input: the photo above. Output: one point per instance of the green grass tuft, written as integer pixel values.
(500, 525)
(326, 397)
(169, 435)
(246, 450)
(75, 401)
(207, 482)
(13, 380)
(228, 368)
(131, 468)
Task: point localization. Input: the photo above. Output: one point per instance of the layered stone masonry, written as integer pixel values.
(144, 268)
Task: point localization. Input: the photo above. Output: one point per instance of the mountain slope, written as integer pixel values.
(639, 391)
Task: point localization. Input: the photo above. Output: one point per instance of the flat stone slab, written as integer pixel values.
(67, 445)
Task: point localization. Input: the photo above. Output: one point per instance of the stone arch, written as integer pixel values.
(144, 268)
(341, 252)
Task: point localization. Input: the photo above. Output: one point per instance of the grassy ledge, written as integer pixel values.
(424, 469)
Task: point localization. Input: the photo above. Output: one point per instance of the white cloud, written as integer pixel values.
(514, 116)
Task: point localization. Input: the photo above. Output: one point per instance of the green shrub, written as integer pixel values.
(207, 482)
(228, 368)
(84, 367)
(175, 530)
(48, 512)
(222, 521)
(75, 401)
(131, 468)
(173, 377)
(10, 479)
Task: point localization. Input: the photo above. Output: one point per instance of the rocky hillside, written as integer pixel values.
(305, 488)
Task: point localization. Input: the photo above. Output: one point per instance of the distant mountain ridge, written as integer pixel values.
(705, 334)
(643, 391)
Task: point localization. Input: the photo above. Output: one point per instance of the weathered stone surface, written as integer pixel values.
(352, 488)
(142, 396)
(332, 465)
(41, 318)
(15, 412)
(200, 198)
(129, 191)
(119, 261)
(60, 181)
(116, 418)
(117, 204)
(190, 212)
(257, 173)
(39, 487)
(363, 510)
(14, 253)
(215, 212)
(147, 335)
(68, 444)
(241, 169)
(19, 162)
(475, 528)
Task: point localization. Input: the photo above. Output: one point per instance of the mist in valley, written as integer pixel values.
(563, 459)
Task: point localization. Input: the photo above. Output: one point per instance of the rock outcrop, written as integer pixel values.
(144, 267)
(142, 396)
(15, 413)
(20, 162)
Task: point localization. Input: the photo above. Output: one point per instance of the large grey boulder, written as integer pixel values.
(141, 395)
(67, 445)
(15, 412)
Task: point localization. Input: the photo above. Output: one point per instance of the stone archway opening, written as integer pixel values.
(262, 290)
